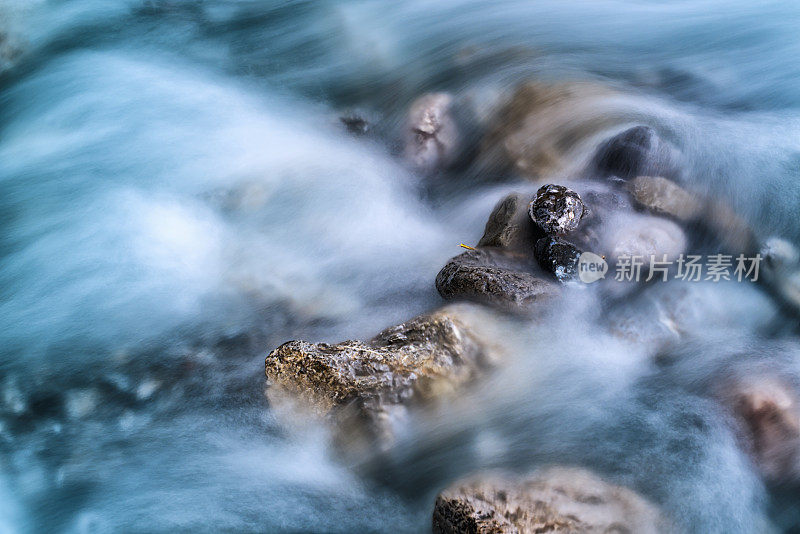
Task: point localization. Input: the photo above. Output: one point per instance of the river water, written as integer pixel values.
(178, 197)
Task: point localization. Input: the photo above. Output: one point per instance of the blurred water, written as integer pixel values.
(177, 197)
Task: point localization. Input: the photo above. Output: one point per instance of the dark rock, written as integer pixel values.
(355, 123)
(366, 387)
(638, 151)
(510, 226)
(554, 500)
(558, 256)
(556, 209)
(490, 276)
(432, 133)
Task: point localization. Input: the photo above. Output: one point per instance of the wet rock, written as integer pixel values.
(544, 127)
(355, 123)
(733, 231)
(663, 196)
(367, 387)
(503, 279)
(558, 256)
(432, 132)
(780, 269)
(643, 236)
(767, 409)
(556, 209)
(510, 225)
(553, 500)
(638, 151)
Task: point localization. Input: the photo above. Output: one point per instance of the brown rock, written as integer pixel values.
(554, 500)
(499, 278)
(540, 130)
(767, 409)
(665, 197)
(367, 386)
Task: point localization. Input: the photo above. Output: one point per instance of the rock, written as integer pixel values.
(558, 256)
(432, 133)
(638, 151)
(544, 127)
(556, 209)
(503, 279)
(510, 226)
(665, 197)
(643, 236)
(367, 387)
(355, 123)
(767, 409)
(780, 268)
(557, 499)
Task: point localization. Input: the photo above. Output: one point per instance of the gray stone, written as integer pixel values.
(635, 152)
(557, 499)
(510, 226)
(490, 276)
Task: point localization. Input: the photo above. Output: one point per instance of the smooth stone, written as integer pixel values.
(637, 151)
(557, 499)
(767, 410)
(664, 197)
(544, 127)
(495, 277)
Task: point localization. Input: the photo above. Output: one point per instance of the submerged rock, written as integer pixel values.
(542, 128)
(663, 196)
(432, 133)
(503, 279)
(557, 499)
(642, 236)
(510, 225)
(638, 151)
(355, 123)
(368, 386)
(767, 409)
(556, 209)
(558, 256)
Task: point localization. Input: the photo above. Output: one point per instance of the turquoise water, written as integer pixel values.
(177, 197)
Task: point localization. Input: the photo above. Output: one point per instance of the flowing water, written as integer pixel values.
(178, 197)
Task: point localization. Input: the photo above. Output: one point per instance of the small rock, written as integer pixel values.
(510, 226)
(502, 279)
(558, 256)
(355, 123)
(368, 386)
(432, 134)
(80, 402)
(557, 499)
(556, 209)
(663, 196)
(635, 152)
